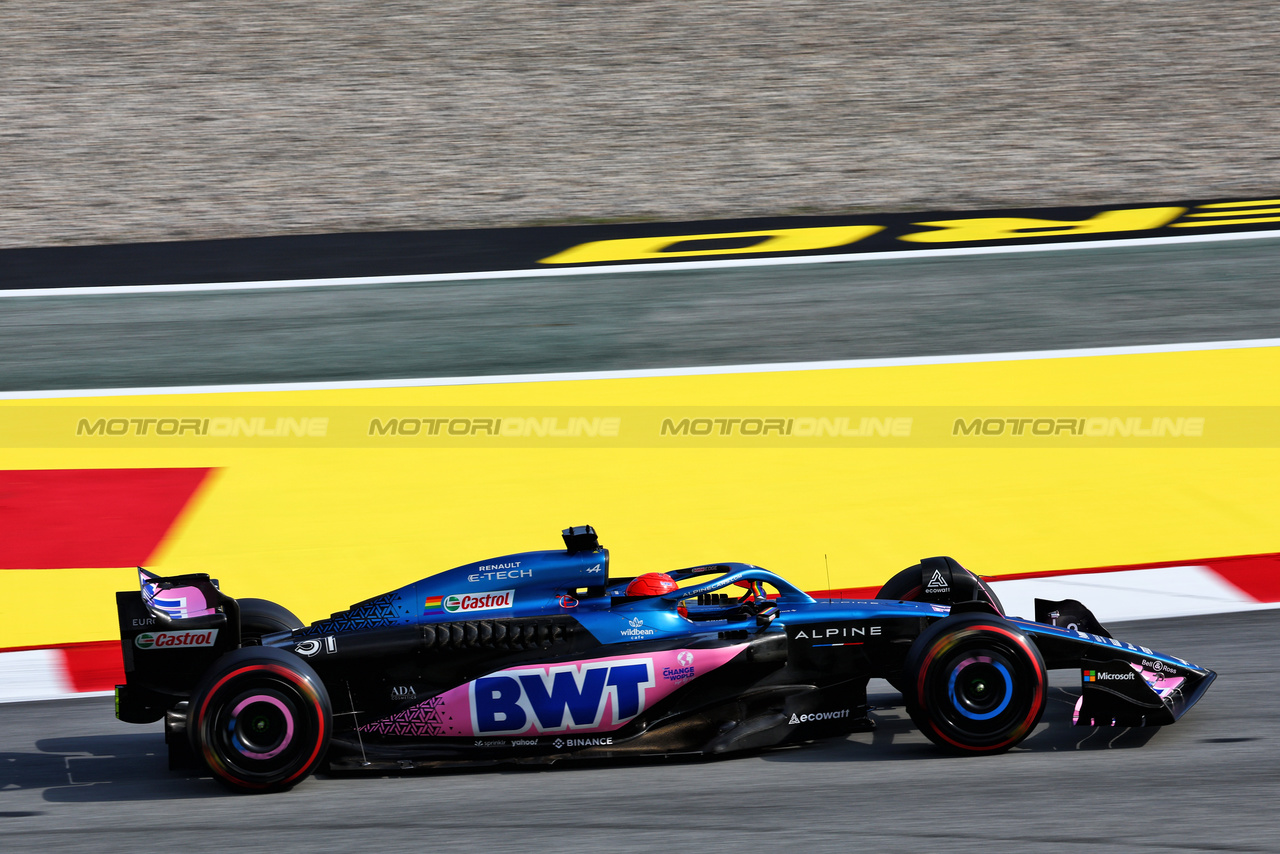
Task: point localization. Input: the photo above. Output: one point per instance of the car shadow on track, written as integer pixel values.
(896, 738)
(85, 769)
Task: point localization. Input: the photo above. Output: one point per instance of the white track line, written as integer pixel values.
(608, 269)
(781, 367)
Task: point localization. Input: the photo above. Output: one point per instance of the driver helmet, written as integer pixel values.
(651, 584)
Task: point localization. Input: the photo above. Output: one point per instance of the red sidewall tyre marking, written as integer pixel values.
(304, 688)
(1036, 699)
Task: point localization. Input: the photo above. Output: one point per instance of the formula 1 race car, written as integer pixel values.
(542, 656)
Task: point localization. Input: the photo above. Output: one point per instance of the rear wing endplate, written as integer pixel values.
(188, 601)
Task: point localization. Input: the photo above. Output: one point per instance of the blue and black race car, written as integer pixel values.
(542, 656)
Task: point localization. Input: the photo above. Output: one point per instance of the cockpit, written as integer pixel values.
(734, 592)
(722, 592)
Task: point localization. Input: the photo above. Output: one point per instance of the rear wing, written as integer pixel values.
(171, 631)
(191, 600)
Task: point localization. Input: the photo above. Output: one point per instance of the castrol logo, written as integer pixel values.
(464, 602)
(176, 640)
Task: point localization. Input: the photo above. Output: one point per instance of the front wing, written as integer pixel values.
(1122, 684)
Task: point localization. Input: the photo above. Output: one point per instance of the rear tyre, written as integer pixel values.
(261, 720)
(260, 617)
(975, 684)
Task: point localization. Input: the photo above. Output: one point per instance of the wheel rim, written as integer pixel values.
(260, 726)
(980, 687)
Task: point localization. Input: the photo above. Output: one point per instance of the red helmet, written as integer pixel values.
(651, 584)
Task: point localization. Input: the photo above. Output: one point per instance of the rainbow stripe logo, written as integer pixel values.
(433, 604)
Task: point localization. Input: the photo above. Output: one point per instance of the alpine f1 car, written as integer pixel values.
(542, 656)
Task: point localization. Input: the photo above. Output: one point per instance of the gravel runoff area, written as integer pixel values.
(128, 120)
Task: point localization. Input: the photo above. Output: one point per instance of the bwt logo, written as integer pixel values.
(564, 697)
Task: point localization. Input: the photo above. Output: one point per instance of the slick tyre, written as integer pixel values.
(975, 684)
(260, 617)
(260, 720)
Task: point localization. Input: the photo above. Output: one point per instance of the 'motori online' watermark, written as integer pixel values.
(638, 427)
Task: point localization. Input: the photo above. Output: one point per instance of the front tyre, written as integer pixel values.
(261, 720)
(976, 684)
(910, 585)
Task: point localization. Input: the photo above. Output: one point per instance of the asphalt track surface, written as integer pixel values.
(73, 779)
(647, 319)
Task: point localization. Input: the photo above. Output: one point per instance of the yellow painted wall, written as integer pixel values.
(317, 528)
